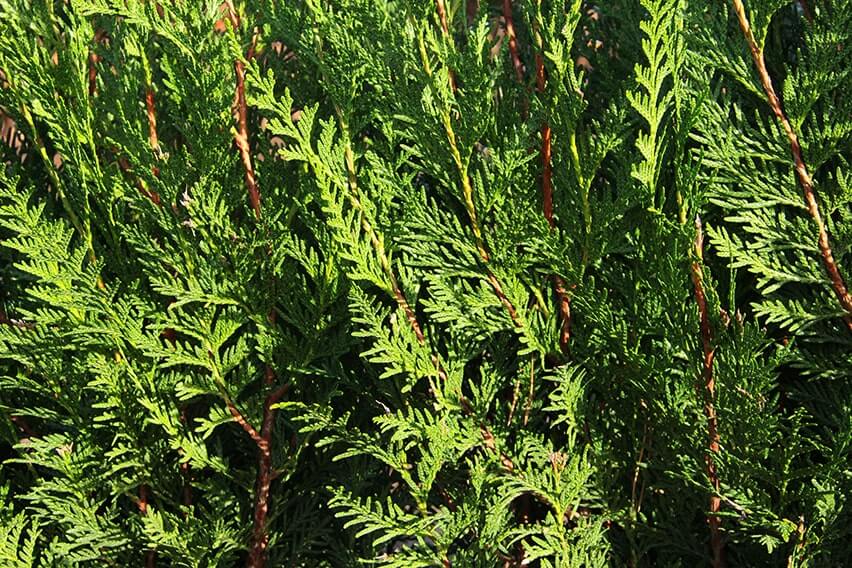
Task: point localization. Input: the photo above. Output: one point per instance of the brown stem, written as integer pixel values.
(260, 536)
(806, 10)
(442, 16)
(152, 195)
(241, 136)
(94, 59)
(513, 40)
(472, 10)
(470, 206)
(243, 422)
(150, 555)
(399, 295)
(547, 197)
(185, 469)
(375, 240)
(837, 281)
(93, 73)
(709, 395)
(445, 30)
(151, 112)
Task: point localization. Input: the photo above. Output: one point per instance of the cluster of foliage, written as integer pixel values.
(426, 283)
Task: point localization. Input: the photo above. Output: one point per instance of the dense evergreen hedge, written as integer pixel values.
(426, 283)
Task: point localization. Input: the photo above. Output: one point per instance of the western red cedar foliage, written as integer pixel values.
(425, 283)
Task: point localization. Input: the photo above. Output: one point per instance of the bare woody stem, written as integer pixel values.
(260, 536)
(547, 192)
(150, 555)
(151, 113)
(709, 395)
(837, 281)
(263, 439)
(241, 135)
(467, 191)
(442, 16)
(263, 481)
(467, 188)
(445, 31)
(806, 10)
(513, 40)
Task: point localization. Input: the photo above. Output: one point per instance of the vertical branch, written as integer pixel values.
(467, 188)
(445, 32)
(263, 439)
(806, 10)
(547, 190)
(260, 536)
(837, 282)
(513, 40)
(151, 115)
(241, 135)
(470, 206)
(399, 295)
(151, 112)
(94, 58)
(709, 396)
(442, 16)
(472, 10)
(142, 504)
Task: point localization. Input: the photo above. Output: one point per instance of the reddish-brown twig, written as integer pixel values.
(442, 16)
(367, 227)
(445, 30)
(152, 195)
(260, 536)
(263, 439)
(241, 135)
(513, 41)
(709, 395)
(142, 504)
(472, 9)
(470, 206)
(806, 10)
(151, 112)
(837, 281)
(547, 196)
(263, 481)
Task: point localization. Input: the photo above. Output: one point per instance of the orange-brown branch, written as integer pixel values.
(709, 396)
(151, 112)
(445, 30)
(260, 536)
(837, 281)
(442, 16)
(547, 201)
(513, 40)
(150, 555)
(806, 10)
(241, 137)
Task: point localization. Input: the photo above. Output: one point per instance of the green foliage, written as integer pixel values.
(389, 325)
